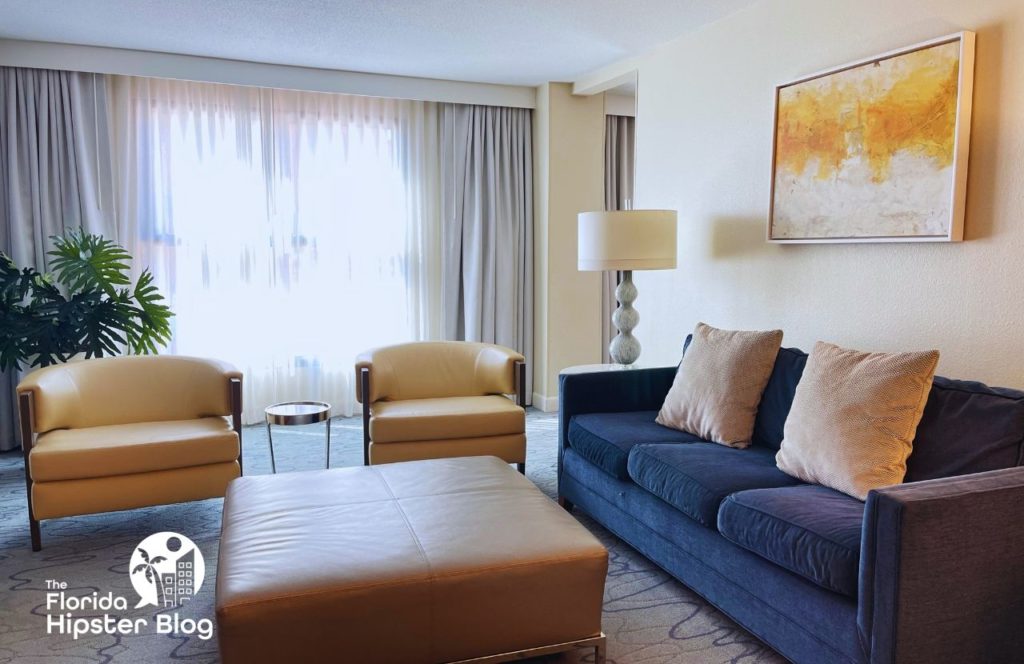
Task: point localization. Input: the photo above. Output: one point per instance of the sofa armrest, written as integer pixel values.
(942, 570)
(610, 392)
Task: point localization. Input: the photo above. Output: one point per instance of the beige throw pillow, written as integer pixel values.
(853, 419)
(719, 384)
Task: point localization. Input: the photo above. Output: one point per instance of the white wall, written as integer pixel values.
(704, 125)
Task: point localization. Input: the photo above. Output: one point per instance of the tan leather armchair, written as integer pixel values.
(126, 432)
(437, 399)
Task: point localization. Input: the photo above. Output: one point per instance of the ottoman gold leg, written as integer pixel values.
(598, 643)
(601, 650)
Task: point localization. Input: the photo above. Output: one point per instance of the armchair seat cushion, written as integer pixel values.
(444, 418)
(123, 449)
(696, 478)
(810, 530)
(605, 439)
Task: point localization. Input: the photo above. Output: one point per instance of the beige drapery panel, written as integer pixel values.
(55, 174)
(487, 226)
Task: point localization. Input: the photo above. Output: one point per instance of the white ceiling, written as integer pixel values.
(521, 42)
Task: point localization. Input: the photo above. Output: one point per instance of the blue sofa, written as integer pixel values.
(928, 571)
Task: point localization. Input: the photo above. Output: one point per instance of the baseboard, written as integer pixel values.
(545, 404)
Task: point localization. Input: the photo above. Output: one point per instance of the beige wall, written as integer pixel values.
(704, 125)
(568, 179)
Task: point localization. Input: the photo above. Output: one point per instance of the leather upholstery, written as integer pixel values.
(430, 561)
(122, 449)
(428, 400)
(511, 449)
(432, 369)
(126, 432)
(125, 390)
(453, 417)
(51, 500)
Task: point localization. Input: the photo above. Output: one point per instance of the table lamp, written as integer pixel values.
(627, 240)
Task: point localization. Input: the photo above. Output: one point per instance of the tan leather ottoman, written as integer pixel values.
(423, 561)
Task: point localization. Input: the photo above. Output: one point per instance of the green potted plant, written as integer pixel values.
(87, 306)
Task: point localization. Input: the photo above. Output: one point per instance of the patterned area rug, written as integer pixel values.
(649, 617)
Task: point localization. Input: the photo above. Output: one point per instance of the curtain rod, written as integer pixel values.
(104, 60)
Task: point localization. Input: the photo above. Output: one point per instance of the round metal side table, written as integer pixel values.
(294, 413)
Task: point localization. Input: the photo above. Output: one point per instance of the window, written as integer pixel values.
(287, 229)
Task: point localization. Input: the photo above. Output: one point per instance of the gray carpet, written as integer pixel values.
(648, 617)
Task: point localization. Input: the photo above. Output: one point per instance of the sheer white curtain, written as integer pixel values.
(290, 230)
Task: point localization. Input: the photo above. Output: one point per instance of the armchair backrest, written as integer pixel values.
(434, 369)
(125, 390)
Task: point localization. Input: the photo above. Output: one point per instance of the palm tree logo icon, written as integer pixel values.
(166, 570)
(148, 565)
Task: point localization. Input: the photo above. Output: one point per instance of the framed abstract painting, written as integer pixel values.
(876, 150)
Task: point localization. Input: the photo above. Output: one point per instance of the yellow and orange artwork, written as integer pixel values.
(868, 152)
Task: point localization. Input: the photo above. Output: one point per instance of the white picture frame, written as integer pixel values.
(777, 233)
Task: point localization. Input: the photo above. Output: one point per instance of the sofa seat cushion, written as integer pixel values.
(123, 449)
(604, 439)
(443, 418)
(810, 530)
(696, 478)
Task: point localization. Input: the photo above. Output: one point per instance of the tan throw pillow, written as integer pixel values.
(853, 419)
(719, 384)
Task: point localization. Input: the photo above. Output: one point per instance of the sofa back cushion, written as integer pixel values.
(778, 397)
(967, 427)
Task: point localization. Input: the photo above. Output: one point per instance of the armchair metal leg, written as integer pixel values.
(601, 650)
(520, 381)
(37, 539)
(235, 396)
(26, 417)
(364, 384)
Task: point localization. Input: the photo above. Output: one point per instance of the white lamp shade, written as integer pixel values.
(627, 240)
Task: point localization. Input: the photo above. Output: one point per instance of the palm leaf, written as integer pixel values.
(88, 306)
(100, 323)
(139, 568)
(14, 283)
(16, 312)
(48, 326)
(151, 327)
(149, 574)
(84, 261)
(142, 552)
(158, 559)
